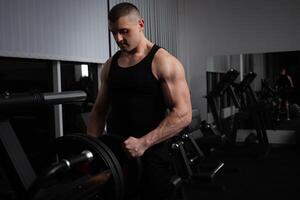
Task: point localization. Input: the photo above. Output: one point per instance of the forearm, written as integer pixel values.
(96, 124)
(169, 127)
(291, 83)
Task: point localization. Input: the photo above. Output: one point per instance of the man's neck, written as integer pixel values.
(131, 58)
(141, 49)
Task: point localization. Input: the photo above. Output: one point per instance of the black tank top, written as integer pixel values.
(283, 82)
(137, 104)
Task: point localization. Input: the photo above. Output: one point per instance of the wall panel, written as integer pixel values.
(74, 30)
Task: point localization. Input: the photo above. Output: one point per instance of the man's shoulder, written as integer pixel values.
(108, 62)
(163, 57)
(105, 68)
(163, 54)
(165, 63)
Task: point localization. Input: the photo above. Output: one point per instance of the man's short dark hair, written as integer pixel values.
(120, 10)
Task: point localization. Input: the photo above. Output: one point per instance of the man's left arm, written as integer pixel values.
(177, 94)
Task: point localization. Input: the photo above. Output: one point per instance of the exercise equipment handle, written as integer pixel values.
(65, 164)
(85, 156)
(64, 97)
(11, 101)
(226, 81)
(60, 167)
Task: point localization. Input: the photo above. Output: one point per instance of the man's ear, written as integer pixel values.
(141, 24)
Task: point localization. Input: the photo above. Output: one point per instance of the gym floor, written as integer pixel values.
(273, 177)
(244, 177)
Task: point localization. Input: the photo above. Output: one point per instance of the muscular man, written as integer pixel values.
(283, 85)
(145, 90)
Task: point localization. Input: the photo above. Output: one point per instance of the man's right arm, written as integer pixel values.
(97, 117)
(291, 81)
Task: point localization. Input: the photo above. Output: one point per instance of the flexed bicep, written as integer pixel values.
(174, 86)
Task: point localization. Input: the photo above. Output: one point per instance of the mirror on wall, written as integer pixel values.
(267, 68)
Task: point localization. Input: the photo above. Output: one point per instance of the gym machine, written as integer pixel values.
(268, 94)
(271, 98)
(244, 99)
(245, 92)
(84, 167)
(190, 161)
(254, 110)
(224, 86)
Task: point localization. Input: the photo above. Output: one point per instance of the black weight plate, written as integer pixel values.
(103, 159)
(131, 167)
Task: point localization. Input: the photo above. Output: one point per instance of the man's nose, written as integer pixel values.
(118, 37)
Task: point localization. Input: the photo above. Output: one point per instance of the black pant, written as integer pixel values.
(155, 167)
(157, 173)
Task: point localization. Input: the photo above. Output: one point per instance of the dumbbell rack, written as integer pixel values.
(194, 169)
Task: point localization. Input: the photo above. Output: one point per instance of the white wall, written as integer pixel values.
(73, 30)
(230, 27)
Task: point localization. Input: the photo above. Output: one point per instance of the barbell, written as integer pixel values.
(110, 175)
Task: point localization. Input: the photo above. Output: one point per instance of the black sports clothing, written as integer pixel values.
(284, 87)
(137, 102)
(137, 107)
